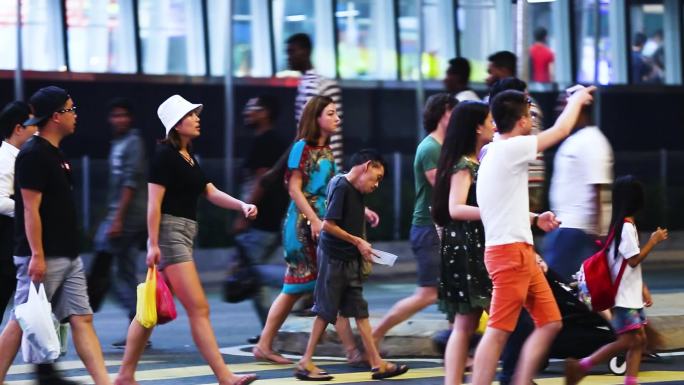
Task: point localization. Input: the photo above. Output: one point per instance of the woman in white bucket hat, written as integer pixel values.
(175, 183)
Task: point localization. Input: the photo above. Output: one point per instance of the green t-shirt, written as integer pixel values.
(427, 156)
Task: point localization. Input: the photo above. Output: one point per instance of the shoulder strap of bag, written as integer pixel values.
(620, 273)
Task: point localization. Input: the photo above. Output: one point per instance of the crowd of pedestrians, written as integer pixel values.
(478, 176)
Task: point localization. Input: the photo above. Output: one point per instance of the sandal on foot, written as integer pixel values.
(246, 379)
(388, 370)
(311, 373)
(271, 357)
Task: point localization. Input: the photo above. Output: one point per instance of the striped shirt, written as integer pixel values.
(312, 84)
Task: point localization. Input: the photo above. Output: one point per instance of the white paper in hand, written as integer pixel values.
(383, 257)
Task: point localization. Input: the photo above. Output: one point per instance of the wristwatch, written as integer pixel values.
(535, 220)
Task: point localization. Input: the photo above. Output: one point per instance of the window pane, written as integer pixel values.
(101, 35)
(648, 53)
(366, 39)
(438, 43)
(477, 34)
(541, 43)
(172, 37)
(593, 66)
(41, 31)
(251, 40)
(310, 17)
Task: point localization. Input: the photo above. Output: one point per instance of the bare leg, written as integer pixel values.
(534, 351)
(88, 347)
(187, 287)
(10, 340)
(276, 317)
(487, 355)
(363, 325)
(574, 371)
(135, 345)
(402, 310)
(344, 331)
(635, 352)
(317, 330)
(456, 352)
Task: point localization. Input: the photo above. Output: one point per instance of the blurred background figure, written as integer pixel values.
(541, 57)
(123, 230)
(457, 79)
(14, 135)
(501, 65)
(257, 240)
(641, 67)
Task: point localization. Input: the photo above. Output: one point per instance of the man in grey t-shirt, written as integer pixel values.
(124, 228)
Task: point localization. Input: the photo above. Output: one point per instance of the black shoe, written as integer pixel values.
(122, 344)
(254, 340)
(305, 313)
(47, 375)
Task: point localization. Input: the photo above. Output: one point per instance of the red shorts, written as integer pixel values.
(518, 282)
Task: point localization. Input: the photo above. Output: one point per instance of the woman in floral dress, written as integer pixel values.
(465, 288)
(310, 165)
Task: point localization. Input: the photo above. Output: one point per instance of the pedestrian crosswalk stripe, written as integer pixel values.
(63, 365)
(180, 372)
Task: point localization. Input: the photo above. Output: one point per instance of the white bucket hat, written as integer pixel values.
(174, 109)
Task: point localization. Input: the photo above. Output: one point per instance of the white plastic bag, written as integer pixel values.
(39, 343)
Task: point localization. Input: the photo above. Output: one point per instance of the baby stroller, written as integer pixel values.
(584, 331)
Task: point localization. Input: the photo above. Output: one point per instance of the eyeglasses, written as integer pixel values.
(65, 110)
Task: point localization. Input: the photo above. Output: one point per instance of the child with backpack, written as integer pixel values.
(624, 257)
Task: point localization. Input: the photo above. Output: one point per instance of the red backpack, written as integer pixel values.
(597, 289)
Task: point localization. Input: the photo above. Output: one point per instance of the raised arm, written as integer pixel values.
(566, 121)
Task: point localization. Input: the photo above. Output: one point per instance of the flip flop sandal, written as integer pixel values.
(388, 370)
(246, 379)
(272, 357)
(307, 374)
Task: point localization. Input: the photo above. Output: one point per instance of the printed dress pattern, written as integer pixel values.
(464, 284)
(317, 166)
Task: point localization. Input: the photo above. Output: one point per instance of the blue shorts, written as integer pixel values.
(425, 244)
(625, 320)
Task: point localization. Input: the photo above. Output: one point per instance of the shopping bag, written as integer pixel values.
(146, 307)
(166, 308)
(39, 343)
(482, 325)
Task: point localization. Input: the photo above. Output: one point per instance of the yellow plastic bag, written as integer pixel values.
(483, 323)
(146, 307)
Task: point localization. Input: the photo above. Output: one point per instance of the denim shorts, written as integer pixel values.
(425, 244)
(625, 320)
(176, 238)
(65, 286)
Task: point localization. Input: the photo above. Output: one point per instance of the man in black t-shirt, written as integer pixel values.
(46, 234)
(256, 241)
(342, 252)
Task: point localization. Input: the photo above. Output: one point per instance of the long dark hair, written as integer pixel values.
(460, 140)
(309, 130)
(628, 198)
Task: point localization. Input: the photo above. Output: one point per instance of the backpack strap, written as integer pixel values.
(620, 273)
